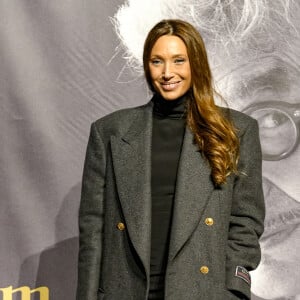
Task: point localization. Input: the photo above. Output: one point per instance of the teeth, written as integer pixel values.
(170, 86)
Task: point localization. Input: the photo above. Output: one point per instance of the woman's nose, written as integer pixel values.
(167, 72)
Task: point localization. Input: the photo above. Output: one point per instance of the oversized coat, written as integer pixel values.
(215, 231)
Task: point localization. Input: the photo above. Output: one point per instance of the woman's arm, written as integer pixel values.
(91, 216)
(247, 215)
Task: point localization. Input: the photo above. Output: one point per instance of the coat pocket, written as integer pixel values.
(100, 294)
(232, 296)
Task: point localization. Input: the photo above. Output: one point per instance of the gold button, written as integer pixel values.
(209, 221)
(121, 226)
(204, 269)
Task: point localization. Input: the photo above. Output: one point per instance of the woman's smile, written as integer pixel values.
(170, 86)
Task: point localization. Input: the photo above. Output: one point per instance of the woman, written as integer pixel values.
(172, 204)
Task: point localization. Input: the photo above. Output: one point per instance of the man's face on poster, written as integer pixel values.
(266, 86)
(273, 81)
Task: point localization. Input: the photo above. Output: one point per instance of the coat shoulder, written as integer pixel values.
(240, 120)
(118, 122)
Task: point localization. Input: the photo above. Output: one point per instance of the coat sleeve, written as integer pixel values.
(247, 215)
(91, 214)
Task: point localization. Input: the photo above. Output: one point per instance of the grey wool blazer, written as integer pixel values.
(215, 231)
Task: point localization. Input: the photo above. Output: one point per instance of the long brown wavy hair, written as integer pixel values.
(213, 130)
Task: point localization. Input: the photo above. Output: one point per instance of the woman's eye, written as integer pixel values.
(179, 61)
(156, 61)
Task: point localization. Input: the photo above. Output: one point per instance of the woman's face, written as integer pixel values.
(170, 67)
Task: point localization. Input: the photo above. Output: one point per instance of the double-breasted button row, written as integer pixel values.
(121, 226)
(209, 221)
(204, 269)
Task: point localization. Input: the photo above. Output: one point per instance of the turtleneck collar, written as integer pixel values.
(172, 109)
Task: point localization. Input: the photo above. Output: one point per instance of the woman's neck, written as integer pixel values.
(174, 109)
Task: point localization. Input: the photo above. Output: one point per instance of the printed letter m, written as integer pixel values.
(25, 292)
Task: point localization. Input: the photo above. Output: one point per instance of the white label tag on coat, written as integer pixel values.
(242, 273)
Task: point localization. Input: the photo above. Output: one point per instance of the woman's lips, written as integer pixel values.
(170, 86)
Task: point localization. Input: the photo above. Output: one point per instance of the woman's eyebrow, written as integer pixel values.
(173, 56)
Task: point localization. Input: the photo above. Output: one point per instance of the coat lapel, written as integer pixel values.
(132, 165)
(193, 189)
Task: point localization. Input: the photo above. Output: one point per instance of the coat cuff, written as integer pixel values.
(238, 280)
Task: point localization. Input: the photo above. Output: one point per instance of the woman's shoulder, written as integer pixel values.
(240, 120)
(120, 120)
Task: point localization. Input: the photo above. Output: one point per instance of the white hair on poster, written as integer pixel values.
(222, 23)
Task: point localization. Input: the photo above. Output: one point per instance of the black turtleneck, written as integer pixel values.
(167, 136)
